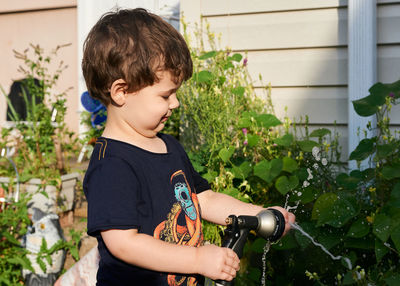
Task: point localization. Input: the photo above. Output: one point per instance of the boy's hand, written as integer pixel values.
(289, 217)
(217, 262)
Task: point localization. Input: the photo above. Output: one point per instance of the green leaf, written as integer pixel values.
(210, 175)
(359, 228)
(204, 77)
(391, 172)
(254, 273)
(23, 261)
(395, 236)
(238, 90)
(268, 120)
(244, 122)
(307, 145)
(381, 227)
(360, 243)
(395, 196)
(252, 140)
(330, 238)
(286, 242)
(225, 154)
(198, 167)
(364, 149)
(324, 203)
(10, 238)
(75, 253)
(233, 192)
(228, 65)
(268, 170)
(342, 211)
(285, 140)
(258, 245)
(208, 55)
(302, 240)
(302, 174)
(221, 80)
(246, 168)
(289, 165)
(284, 184)
(378, 93)
(237, 57)
(363, 107)
(348, 279)
(307, 195)
(347, 182)
(394, 280)
(321, 132)
(49, 260)
(237, 172)
(43, 246)
(262, 168)
(385, 150)
(41, 263)
(380, 250)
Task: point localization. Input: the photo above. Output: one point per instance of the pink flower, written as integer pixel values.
(244, 130)
(245, 142)
(245, 62)
(391, 95)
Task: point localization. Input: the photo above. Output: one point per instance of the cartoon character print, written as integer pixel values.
(170, 230)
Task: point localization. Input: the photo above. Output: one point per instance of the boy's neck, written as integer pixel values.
(152, 144)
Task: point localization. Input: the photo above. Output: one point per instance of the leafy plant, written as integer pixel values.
(43, 143)
(244, 150)
(39, 146)
(14, 221)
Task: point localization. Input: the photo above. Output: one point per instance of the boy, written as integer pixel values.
(144, 196)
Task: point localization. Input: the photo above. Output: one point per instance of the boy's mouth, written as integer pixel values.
(165, 118)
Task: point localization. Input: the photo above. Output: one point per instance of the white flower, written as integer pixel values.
(324, 161)
(306, 184)
(315, 166)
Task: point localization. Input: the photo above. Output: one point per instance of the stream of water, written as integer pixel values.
(339, 257)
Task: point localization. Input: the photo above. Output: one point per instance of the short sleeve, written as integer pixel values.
(112, 193)
(200, 184)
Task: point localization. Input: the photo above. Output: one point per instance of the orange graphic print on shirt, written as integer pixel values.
(187, 207)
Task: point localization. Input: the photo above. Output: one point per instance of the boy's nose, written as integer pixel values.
(174, 102)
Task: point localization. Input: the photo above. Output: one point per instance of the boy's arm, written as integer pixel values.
(216, 207)
(147, 252)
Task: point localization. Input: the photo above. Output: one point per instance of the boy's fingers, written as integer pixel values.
(229, 272)
(235, 261)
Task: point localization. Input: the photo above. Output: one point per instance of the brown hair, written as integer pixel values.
(132, 45)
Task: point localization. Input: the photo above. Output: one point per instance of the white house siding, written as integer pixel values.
(46, 23)
(388, 39)
(300, 48)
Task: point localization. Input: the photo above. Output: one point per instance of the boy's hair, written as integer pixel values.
(132, 45)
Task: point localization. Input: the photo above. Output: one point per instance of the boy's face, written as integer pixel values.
(147, 110)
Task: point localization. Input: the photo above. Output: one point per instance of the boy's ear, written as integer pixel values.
(118, 92)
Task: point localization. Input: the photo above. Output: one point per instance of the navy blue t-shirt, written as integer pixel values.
(131, 188)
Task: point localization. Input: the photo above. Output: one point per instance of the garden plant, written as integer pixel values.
(38, 146)
(237, 143)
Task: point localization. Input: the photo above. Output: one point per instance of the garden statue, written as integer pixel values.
(45, 231)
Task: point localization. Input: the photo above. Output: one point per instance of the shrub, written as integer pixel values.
(244, 150)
